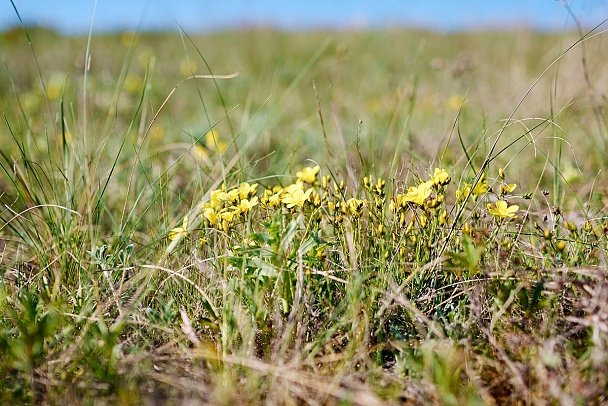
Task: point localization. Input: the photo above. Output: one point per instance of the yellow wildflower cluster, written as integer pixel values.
(481, 188)
(225, 207)
(419, 194)
(294, 195)
(291, 196)
(376, 188)
(405, 218)
(352, 207)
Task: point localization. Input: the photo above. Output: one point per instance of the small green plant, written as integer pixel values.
(26, 338)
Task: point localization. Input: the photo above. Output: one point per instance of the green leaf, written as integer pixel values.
(290, 233)
(264, 268)
(262, 237)
(307, 245)
(468, 259)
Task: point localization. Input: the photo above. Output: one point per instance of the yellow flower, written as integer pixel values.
(504, 189)
(316, 200)
(228, 215)
(441, 177)
(179, 232)
(213, 142)
(410, 226)
(200, 152)
(481, 187)
(245, 205)
(210, 215)
(443, 217)
(231, 196)
(418, 194)
(344, 208)
(308, 174)
(297, 198)
(455, 102)
(379, 187)
(423, 220)
(65, 136)
(54, 88)
(433, 203)
(222, 196)
(402, 219)
(501, 173)
(299, 185)
(133, 83)
(355, 206)
(502, 209)
(325, 181)
(245, 190)
(157, 132)
(210, 146)
(275, 199)
(214, 198)
(393, 206)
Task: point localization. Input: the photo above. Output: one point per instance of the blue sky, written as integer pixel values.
(74, 16)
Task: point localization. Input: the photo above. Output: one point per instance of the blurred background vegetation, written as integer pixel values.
(372, 87)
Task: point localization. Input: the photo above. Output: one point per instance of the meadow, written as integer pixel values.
(265, 217)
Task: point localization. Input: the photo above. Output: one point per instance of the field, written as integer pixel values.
(382, 217)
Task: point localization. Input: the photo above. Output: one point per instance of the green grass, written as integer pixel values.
(158, 247)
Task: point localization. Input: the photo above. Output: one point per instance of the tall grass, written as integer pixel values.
(361, 218)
